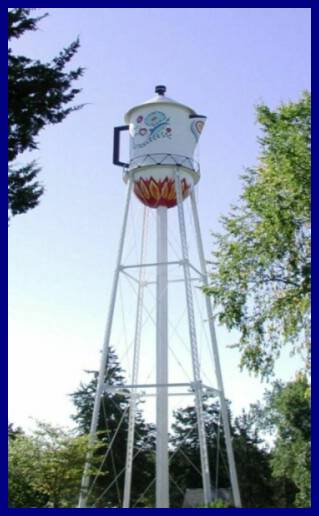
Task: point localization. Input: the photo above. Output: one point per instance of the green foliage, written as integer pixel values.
(252, 460)
(14, 432)
(22, 474)
(291, 457)
(45, 469)
(113, 426)
(218, 504)
(261, 273)
(253, 464)
(286, 413)
(185, 467)
(23, 191)
(39, 94)
(269, 477)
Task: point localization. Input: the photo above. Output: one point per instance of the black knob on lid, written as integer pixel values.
(160, 89)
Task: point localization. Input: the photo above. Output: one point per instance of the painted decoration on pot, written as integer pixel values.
(196, 128)
(155, 192)
(151, 127)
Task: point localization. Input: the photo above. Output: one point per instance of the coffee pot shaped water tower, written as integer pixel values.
(163, 135)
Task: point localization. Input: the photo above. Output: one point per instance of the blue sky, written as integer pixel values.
(221, 62)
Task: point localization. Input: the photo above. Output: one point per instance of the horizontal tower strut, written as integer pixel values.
(155, 264)
(123, 389)
(145, 283)
(193, 385)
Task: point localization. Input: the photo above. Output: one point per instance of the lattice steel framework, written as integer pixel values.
(162, 384)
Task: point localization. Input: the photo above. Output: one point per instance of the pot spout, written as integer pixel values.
(197, 123)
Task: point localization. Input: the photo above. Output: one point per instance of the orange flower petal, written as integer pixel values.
(154, 190)
(172, 193)
(165, 189)
(144, 189)
(137, 190)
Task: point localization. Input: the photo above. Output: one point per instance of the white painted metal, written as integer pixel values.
(180, 140)
(181, 280)
(154, 102)
(100, 384)
(194, 348)
(154, 264)
(162, 467)
(229, 447)
(163, 136)
(163, 127)
(176, 262)
(124, 388)
(111, 388)
(135, 370)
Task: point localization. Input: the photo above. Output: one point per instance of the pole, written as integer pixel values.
(194, 348)
(100, 383)
(229, 447)
(162, 468)
(135, 370)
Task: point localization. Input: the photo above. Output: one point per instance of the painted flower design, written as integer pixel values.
(154, 118)
(154, 126)
(154, 193)
(196, 128)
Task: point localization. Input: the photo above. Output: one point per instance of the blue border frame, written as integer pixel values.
(167, 3)
(4, 221)
(3, 268)
(315, 283)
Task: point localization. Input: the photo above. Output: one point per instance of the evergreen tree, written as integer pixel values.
(113, 428)
(252, 460)
(185, 462)
(39, 94)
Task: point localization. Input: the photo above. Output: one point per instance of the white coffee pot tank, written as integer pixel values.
(163, 136)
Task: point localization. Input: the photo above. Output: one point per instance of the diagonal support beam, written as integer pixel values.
(194, 347)
(229, 447)
(100, 384)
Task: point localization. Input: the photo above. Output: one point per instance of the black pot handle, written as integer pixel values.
(116, 145)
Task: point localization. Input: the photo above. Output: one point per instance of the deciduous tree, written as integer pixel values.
(286, 414)
(45, 468)
(260, 279)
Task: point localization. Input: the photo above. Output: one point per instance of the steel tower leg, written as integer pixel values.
(229, 447)
(135, 370)
(162, 467)
(194, 348)
(100, 383)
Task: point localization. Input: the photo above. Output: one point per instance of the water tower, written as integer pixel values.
(162, 173)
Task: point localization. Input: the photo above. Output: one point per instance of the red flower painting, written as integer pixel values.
(154, 193)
